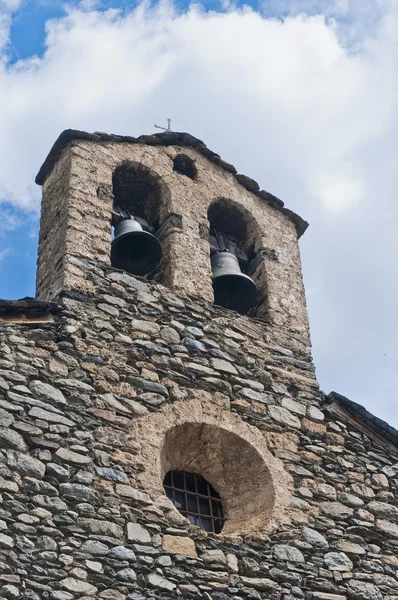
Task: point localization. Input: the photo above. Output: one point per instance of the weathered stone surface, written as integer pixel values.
(289, 553)
(122, 553)
(315, 538)
(11, 439)
(51, 417)
(25, 464)
(73, 458)
(175, 544)
(338, 561)
(101, 527)
(261, 584)
(284, 416)
(77, 586)
(387, 527)
(6, 541)
(137, 533)
(362, 590)
(161, 583)
(336, 510)
(47, 392)
(383, 510)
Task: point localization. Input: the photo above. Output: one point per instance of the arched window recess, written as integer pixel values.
(231, 255)
(138, 194)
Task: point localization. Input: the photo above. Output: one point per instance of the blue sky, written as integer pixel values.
(299, 94)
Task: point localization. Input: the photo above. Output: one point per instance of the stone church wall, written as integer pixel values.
(86, 404)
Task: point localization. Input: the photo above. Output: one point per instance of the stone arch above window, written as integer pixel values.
(230, 464)
(203, 437)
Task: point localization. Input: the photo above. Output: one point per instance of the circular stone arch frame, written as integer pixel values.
(204, 437)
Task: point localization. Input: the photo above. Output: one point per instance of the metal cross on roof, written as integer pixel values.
(167, 130)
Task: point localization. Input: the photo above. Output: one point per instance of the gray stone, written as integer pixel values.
(50, 503)
(157, 581)
(75, 385)
(388, 527)
(121, 553)
(336, 510)
(137, 533)
(284, 417)
(224, 366)
(193, 344)
(73, 458)
(45, 391)
(126, 575)
(47, 543)
(128, 280)
(288, 553)
(323, 490)
(148, 327)
(25, 465)
(6, 418)
(51, 417)
(383, 510)
(8, 486)
(78, 491)
(363, 491)
(9, 591)
(98, 527)
(314, 538)
(214, 557)
(11, 439)
(170, 335)
(94, 547)
(148, 386)
(55, 470)
(78, 586)
(351, 500)
(261, 584)
(338, 561)
(315, 414)
(362, 590)
(112, 474)
(6, 541)
(351, 548)
(295, 407)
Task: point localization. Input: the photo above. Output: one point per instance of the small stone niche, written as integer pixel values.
(186, 166)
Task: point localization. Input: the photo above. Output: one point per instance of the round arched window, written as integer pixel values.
(196, 499)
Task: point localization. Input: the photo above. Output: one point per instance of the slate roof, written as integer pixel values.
(167, 139)
(377, 429)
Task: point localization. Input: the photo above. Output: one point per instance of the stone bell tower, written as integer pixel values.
(163, 434)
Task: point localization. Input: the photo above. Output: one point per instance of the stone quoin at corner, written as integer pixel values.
(163, 434)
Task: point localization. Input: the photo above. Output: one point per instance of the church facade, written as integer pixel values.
(163, 434)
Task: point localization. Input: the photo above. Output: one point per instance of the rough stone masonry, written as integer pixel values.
(111, 382)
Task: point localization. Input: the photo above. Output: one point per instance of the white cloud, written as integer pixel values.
(339, 192)
(307, 105)
(3, 254)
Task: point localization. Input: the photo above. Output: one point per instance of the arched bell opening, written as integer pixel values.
(233, 232)
(139, 195)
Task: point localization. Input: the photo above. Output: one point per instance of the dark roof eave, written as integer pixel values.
(380, 427)
(166, 139)
(28, 304)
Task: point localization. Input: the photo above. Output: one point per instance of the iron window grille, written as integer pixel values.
(196, 499)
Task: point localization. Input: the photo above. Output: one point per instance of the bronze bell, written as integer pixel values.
(133, 249)
(232, 288)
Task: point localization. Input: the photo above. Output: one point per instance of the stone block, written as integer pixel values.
(175, 544)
